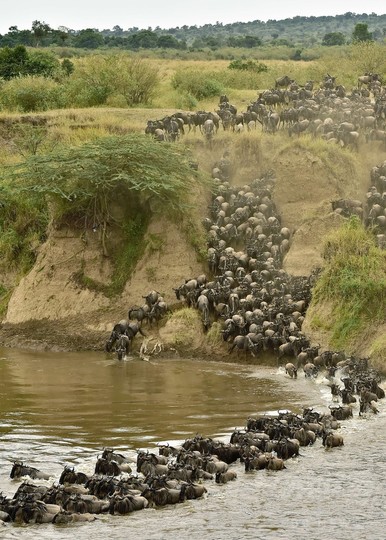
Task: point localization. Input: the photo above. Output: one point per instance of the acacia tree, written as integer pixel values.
(39, 30)
(361, 33)
(85, 178)
(82, 183)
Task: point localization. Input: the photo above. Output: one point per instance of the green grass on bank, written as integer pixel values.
(353, 281)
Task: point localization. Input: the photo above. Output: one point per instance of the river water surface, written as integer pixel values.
(60, 409)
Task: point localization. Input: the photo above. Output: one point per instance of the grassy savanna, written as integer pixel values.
(127, 79)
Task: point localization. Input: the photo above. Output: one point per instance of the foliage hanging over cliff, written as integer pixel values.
(85, 179)
(79, 185)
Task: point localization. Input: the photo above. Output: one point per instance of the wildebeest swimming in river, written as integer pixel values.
(19, 470)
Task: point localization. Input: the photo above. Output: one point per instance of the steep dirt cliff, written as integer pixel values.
(50, 309)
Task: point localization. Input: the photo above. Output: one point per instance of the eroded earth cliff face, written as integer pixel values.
(49, 308)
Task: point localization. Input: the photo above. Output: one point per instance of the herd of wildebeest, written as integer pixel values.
(259, 307)
(326, 110)
(176, 474)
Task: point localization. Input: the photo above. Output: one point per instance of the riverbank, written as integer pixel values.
(57, 305)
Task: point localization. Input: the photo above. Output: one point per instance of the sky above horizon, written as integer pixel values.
(80, 14)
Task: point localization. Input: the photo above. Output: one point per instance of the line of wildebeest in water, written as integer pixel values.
(328, 111)
(180, 473)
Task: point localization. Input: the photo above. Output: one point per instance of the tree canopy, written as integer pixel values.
(85, 179)
(295, 31)
(334, 38)
(361, 33)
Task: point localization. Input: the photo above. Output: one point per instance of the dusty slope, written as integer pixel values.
(72, 317)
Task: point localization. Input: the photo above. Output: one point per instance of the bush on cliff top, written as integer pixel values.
(85, 179)
(80, 186)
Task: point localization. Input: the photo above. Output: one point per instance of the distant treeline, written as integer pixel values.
(293, 32)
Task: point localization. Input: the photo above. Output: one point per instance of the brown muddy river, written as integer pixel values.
(61, 409)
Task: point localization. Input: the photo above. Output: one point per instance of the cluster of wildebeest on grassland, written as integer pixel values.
(328, 111)
(177, 474)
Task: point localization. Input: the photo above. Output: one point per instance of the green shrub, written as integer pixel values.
(30, 93)
(187, 102)
(198, 84)
(17, 61)
(23, 222)
(97, 78)
(134, 246)
(135, 79)
(67, 66)
(367, 56)
(248, 65)
(42, 64)
(91, 83)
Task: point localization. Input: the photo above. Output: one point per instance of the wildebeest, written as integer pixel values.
(118, 329)
(291, 370)
(298, 127)
(19, 470)
(202, 305)
(224, 477)
(341, 413)
(208, 129)
(122, 346)
(275, 464)
(331, 440)
(69, 476)
(139, 313)
(283, 82)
